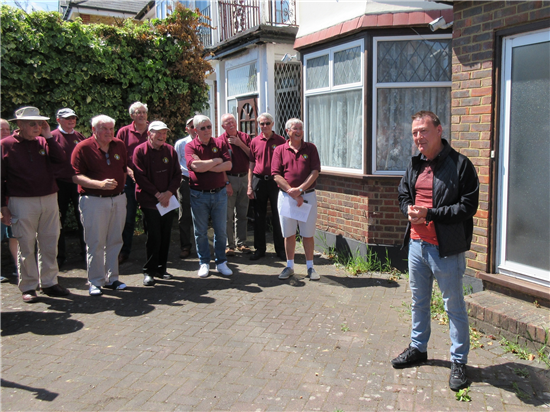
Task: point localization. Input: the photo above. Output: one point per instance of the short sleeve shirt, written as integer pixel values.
(214, 149)
(261, 152)
(132, 139)
(239, 159)
(68, 142)
(89, 160)
(293, 166)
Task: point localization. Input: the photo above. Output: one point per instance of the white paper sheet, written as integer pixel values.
(174, 204)
(289, 208)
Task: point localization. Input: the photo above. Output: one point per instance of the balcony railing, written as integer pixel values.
(205, 33)
(237, 16)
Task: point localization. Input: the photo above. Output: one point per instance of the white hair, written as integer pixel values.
(137, 105)
(292, 122)
(200, 119)
(103, 119)
(266, 116)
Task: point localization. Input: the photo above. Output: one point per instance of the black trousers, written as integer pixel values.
(265, 190)
(158, 229)
(68, 193)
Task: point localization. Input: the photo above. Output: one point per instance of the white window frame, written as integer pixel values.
(247, 94)
(504, 266)
(398, 85)
(334, 89)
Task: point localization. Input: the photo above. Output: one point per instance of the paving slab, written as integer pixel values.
(250, 342)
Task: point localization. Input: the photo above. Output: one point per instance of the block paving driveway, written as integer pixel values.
(246, 343)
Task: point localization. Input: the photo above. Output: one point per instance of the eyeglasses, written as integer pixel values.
(265, 124)
(107, 157)
(140, 112)
(205, 127)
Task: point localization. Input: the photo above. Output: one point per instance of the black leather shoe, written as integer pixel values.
(409, 357)
(257, 255)
(56, 291)
(458, 379)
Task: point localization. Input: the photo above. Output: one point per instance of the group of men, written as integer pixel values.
(214, 178)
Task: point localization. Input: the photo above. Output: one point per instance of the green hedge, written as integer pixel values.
(99, 69)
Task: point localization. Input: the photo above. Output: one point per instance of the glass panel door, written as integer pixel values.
(524, 215)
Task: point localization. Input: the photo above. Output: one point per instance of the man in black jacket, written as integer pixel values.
(439, 195)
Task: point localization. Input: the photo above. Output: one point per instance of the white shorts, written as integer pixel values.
(288, 225)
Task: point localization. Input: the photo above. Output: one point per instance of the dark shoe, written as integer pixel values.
(229, 252)
(122, 258)
(185, 253)
(30, 296)
(458, 379)
(164, 275)
(409, 357)
(257, 255)
(56, 291)
(116, 285)
(148, 280)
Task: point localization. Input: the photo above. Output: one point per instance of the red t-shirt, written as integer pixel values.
(261, 152)
(207, 180)
(89, 160)
(155, 171)
(132, 139)
(239, 159)
(424, 197)
(27, 169)
(64, 171)
(295, 167)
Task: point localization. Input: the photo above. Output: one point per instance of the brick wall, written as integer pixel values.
(363, 210)
(473, 96)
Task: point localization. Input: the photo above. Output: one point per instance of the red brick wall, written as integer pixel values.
(365, 210)
(473, 96)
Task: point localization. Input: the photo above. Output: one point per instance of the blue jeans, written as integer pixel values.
(425, 264)
(131, 209)
(204, 206)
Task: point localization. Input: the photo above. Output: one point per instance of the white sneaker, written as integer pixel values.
(286, 273)
(223, 269)
(95, 290)
(313, 275)
(204, 270)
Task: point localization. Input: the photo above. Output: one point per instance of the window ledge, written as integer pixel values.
(516, 285)
(360, 176)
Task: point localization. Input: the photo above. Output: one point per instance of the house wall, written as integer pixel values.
(474, 92)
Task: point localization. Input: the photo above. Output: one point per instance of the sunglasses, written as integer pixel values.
(265, 124)
(205, 127)
(107, 157)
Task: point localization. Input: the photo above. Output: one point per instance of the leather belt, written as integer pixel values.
(304, 192)
(264, 177)
(237, 174)
(210, 191)
(90, 194)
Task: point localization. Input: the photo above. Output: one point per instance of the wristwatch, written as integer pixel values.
(300, 189)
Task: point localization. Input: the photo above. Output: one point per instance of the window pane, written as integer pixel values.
(414, 61)
(317, 72)
(347, 66)
(394, 143)
(242, 80)
(232, 107)
(335, 125)
(527, 235)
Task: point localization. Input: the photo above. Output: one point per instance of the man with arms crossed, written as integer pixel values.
(262, 187)
(100, 165)
(295, 168)
(207, 160)
(439, 195)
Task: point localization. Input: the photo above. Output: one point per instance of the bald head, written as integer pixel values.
(5, 126)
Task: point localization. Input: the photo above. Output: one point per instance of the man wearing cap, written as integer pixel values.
(207, 160)
(100, 166)
(295, 167)
(67, 137)
(158, 177)
(237, 199)
(32, 211)
(185, 219)
(132, 135)
(262, 187)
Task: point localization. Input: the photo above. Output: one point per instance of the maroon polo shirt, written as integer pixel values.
(295, 167)
(207, 180)
(261, 152)
(64, 171)
(239, 159)
(89, 160)
(27, 169)
(132, 139)
(155, 171)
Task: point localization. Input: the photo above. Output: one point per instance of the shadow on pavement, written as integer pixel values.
(41, 394)
(39, 323)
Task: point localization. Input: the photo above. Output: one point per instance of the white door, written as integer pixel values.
(523, 248)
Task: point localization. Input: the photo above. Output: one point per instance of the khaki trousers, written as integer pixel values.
(35, 221)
